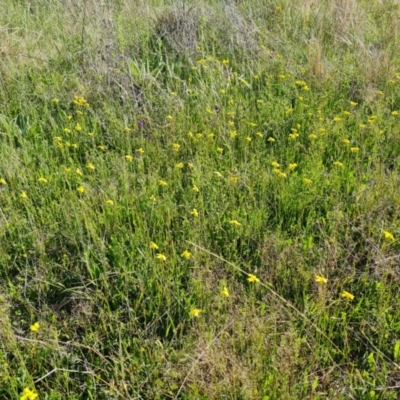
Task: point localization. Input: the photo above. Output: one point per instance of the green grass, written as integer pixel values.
(173, 180)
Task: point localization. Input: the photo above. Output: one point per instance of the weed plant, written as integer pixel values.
(199, 200)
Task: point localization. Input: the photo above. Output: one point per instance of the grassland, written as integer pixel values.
(199, 200)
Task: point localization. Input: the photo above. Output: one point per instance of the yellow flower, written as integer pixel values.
(293, 136)
(3, 182)
(190, 165)
(176, 146)
(179, 165)
(42, 180)
(275, 164)
(55, 101)
(153, 198)
(346, 141)
(347, 113)
(110, 202)
(292, 167)
(307, 181)
(23, 195)
(252, 278)
(353, 103)
(271, 139)
(195, 213)
(281, 174)
(388, 235)
(78, 127)
(69, 117)
(90, 166)
(220, 150)
(354, 149)
(128, 157)
(313, 136)
(140, 151)
(153, 246)
(195, 189)
(66, 130)
(232, 134)
(170, 117)
(259, 134)
(161, 257)
(248, 138)
(338, 164)
(320, 279)
(35, 327)
(225, 292)
(195, 312)
(162, 183)
(218, 174)
(81, 189)
(186, 254)
(102, 147)
(78, 172)
(337, 119)
(28, 394)
(234, 222)
(234, 179)
(394, 113)
(347, 295)
(91, 134)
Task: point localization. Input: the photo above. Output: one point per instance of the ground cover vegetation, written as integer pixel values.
(199, 200)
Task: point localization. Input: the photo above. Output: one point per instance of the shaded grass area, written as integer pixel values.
(199, 200)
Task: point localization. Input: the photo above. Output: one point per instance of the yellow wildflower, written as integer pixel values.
(220, 150)
(190, 165)
(195, 189)
(66, 130)
(169, 117)
(81, 189)
(90, 166)
(292, 166)
(35, 327)
(153, 198)
(78, 127)
(259, 134)
(337, 119)
(79, 172)
(338, 164)
(293, 136)
(23, 196)
(252, 278)
(28, 394)
(354, 149)
(388, 235)
(194, 212)
(162, 183)
(186, 254)
(42, 180)
(395, 113)
(353, 103)
(234, 179)
(110, 202)
(176, 146)
(320, 279)
(248, 138)
(128, 157)
(234, 222)
(218, 174)
(346, 141)
(102, 147)
(140, 151)
(195, 312)
(313, 136)
(153, 246)
(307, 181)
(275, 164)
(347, 295)
(179, 165)
(271, 139)
(161, 257)
(3, 182)
(225, 292)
